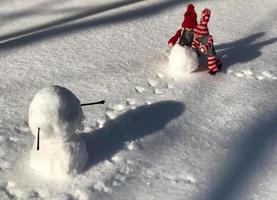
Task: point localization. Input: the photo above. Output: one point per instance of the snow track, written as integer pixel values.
(158, 136)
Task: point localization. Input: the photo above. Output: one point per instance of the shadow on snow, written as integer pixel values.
(51, 29)
(103, 143)
(242, 50)
(247, 159)
(239, 51)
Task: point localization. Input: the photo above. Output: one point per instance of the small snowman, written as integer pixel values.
(55, 115)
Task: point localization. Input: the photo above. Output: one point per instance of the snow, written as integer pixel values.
(182, 61)
(201, 137)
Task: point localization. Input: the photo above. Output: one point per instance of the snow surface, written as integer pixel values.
(197, 137)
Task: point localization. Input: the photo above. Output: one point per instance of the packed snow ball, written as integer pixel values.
(57, 112)
(57, 159)
(182, 60)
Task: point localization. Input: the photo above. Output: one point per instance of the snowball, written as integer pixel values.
(182, 60)
(58, 159)
(58, 114)
(56, 111)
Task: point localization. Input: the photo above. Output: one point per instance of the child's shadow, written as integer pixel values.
(103, 143)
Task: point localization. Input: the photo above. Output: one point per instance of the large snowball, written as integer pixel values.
(58, 114)
(57, 159)
(182, 60)
(56, 111)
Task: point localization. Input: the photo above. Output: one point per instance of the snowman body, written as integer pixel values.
(57, 113)
(182, 60)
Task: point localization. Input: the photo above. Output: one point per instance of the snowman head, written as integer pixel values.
(57, 112)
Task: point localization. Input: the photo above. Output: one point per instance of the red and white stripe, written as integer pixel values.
(212, 63)
(201, 30)
(205, 18)
(210, 41)
(195, 43)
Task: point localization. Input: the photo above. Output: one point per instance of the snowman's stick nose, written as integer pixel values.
(93, 103)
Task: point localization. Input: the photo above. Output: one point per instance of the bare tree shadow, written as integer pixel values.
(242, 50)
(86, 13)
(134, 124)
(248, 156)
(51, 29)
(36, 9)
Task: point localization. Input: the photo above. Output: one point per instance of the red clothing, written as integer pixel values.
(190, 20)
(174, 39)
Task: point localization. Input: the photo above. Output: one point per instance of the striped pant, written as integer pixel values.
(213, 62)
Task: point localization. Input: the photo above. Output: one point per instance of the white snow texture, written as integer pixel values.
(58, 114)
(158, 137)
(182, 60)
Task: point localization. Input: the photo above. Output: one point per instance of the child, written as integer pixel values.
(203, 42)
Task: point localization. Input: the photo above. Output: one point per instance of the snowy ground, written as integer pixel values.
(198, 137)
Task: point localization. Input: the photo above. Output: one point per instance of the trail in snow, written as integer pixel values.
(159, 137)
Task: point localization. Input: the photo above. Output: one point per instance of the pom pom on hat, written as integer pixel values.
(190, 18)
(190, 7)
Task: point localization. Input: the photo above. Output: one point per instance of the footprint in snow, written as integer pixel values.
(114, 110)
(122, 174)
(101, 187)
(118, 179)
(157, 91)
(111, 114)
(139, 89)
(248, 73)
(169, 86)
(160, 75)
(153, 83)
(100, 123)
(4, 165)
(269, 75)
(131, 102)
(3, 139)
(3, 184)
(24, 128)
(188, 179)
(260, 77)
(131, 145)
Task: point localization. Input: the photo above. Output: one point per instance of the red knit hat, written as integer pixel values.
(202, 28)
(190, 18)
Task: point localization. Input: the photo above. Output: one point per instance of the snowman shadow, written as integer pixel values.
(103, 143)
